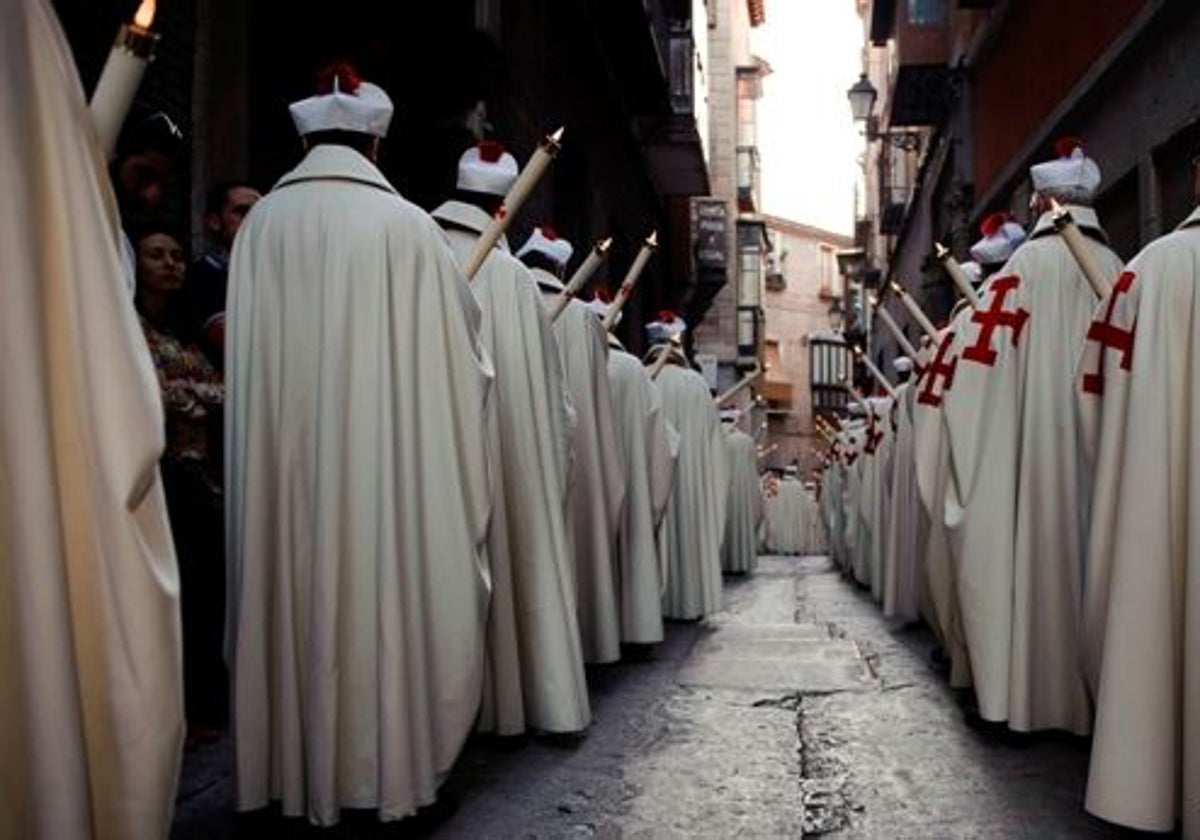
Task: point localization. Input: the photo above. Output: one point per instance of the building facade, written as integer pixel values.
(988, 85)
(726, 309)
(621, 76)
(802, 281)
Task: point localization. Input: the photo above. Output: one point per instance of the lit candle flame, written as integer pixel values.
(652, 239)
(941, 250)
(857, 350)
(556, 138)
(897, 288)
(145, 15)
(603, 247)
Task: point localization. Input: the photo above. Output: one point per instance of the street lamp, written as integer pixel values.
(862, 96)
(836, 314)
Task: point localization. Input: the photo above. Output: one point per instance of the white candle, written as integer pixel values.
(520, 190)
(957, 274)
(580, 277)
(631, 278)
(875, 372)
(132, 50)
(741, 383)
(901, 338)
(1073, 237)
(664, 356)
(917, 313)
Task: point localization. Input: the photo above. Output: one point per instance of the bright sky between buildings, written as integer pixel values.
(809, 145)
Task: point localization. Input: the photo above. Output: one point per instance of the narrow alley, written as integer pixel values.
(796, 712)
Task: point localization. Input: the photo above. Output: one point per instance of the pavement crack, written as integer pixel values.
(823, 777)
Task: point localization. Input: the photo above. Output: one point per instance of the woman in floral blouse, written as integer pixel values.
(193, 398)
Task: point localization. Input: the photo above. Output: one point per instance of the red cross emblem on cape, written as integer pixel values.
(996, 317)
(852, 455)
(1107, 334)
(940, 368)
(874, 436)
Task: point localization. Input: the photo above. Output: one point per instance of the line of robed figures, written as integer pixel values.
(1030, 493)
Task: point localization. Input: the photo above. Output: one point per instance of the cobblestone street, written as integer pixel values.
(796, 712)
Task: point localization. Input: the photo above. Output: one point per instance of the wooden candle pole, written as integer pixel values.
(520, 190)
(580, 278)
(1073, 237)
(631, 278)
(957, 274)
(917, 313)
(132, 51)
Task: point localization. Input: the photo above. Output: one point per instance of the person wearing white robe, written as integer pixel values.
(649, 472)
(875, 503)
(357, 482)
(597, 491)
(815, 541)
(739, 553)
(1014, 499)
(784, 514)
(91, 692)
(1136, 391)
(534, 677)
(694, 524)
(903, 567)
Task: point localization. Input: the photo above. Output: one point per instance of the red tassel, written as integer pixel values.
(347, 77)
(1065, 146)
(666, 316)
(992, 223)
(549, 232)
(490, 151)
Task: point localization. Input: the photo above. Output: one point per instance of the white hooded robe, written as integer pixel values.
(1142, 583)
(695, 520)
(597, 491)
(534, 677)
(745, 508)
(1015, 493)
(649, 472)
(91, 707)
(358, 496)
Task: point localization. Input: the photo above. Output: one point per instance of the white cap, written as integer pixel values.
(665, 327)
(902, 364)
(549, 244)
(1001, 237)
(345, 103)
(599, 306)
(487, 168)
(974, 272)
(1072, 178)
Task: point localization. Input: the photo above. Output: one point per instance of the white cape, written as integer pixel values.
(597, 490)
(1142, 592)
(91, 710)
(695, 520)
(649, 470)
(903, 565)
(1016, 478)
(745, 507)
(358, 496)
(534, 677)
(784, 513)
(931, 455)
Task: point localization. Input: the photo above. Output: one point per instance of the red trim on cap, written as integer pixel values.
(347, 78)
(992, 223)
(1066, 146)
(666, 316)
(490, 151)
(549, 232)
